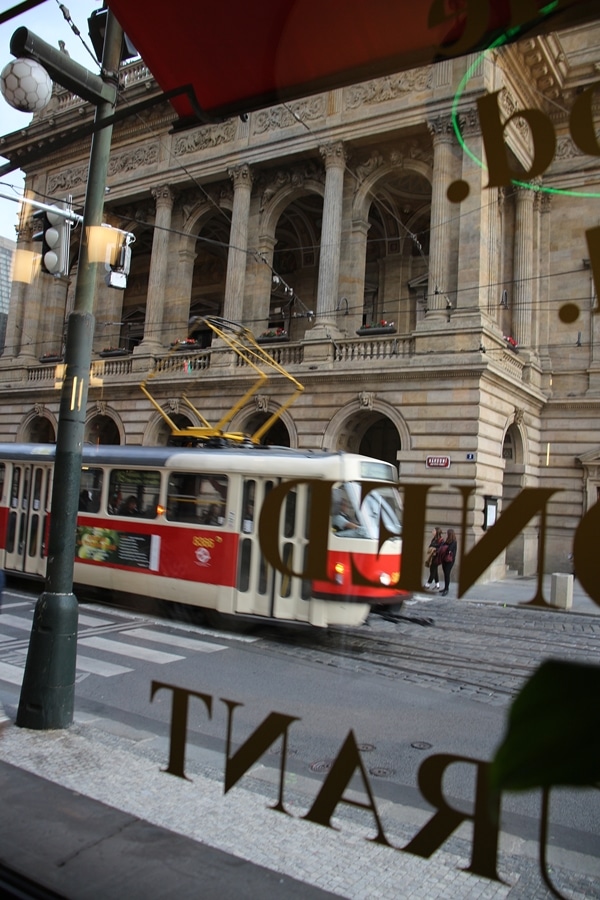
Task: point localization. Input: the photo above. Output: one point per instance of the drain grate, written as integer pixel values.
(366, 748)
(323, 765)
(421, 745)
(381, 772)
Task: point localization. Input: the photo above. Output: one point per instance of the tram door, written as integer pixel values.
(262, 590)
(30, 492)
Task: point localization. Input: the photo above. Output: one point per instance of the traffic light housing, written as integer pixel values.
(54, 231)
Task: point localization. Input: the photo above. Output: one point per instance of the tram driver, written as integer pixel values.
(344, 521)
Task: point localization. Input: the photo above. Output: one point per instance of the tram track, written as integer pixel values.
(485, 652)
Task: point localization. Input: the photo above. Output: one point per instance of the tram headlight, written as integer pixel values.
(339, 573)
(385, 579)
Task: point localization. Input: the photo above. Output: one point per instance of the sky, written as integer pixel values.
(48, 22)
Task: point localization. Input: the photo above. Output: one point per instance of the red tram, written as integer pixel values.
(182, 525)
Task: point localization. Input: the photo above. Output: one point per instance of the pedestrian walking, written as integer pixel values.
(446, 557)
(431, 561)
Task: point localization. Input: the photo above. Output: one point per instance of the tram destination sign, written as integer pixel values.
(437, 462)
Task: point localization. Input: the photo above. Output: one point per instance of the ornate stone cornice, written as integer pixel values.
(127, 161)
(547, 66)
(208, 136)
(286, 116)
(381, 90)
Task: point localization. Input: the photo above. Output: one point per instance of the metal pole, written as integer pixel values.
(48, 691)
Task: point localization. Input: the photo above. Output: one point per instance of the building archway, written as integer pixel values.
(38, 429)
(521, 554)
(276, 436)
(381, 441)
(102, 429)
(368, 426)
(158, 432)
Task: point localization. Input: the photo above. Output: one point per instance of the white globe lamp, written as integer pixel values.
(25, 85)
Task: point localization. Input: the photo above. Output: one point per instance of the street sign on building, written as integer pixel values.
(437, 462)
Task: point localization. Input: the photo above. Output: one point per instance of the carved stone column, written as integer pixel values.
(157, 278)
(233, 305)
(442, 210)
(523, 266)
(23, 295)
(355, 275)
(183, 253)
(261, 279)
(335, 157)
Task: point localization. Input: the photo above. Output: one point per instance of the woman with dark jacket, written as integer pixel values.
(431, 560)
(446, 557)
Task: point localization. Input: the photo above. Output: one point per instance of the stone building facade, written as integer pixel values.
(323, 218)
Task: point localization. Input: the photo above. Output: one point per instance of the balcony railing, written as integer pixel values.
(388, 350)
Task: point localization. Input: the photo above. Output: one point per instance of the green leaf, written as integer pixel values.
(553, 734)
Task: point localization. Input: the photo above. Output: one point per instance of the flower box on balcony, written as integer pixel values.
(116, 351)
(188, 345)
(273, 336)
(376, 328)
(51, 358)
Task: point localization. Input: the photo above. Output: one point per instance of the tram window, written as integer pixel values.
(16, 481)
(33, 535)
(244, 565)
(37, 488)
(25, 497)
(2, 479)
(306, 589)
(11, 532)
(351, 518)
(289, 520)
(248, 507)
(48, 491)
(197, 499)
(133, 492)
(91, 488)
(287, 556)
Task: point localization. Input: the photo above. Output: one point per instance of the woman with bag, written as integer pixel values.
(431, 559)
(446, 556)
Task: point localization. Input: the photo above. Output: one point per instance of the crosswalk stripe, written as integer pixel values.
(12, 674)
(100, 667)
(174, 640)
(15, 622)
(91, 621)
(157, 656)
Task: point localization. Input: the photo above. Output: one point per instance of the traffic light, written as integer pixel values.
(54, 231)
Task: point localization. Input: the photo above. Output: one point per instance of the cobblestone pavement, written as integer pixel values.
(122, 766)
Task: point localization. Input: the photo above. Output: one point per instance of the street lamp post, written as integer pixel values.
(48, 691)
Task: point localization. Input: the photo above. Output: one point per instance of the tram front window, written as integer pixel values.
(350, 518)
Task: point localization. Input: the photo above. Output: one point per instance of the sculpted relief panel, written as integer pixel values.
(127, 161)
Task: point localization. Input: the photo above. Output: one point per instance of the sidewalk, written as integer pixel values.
(89, 814)
(106, 823)
(516, 590)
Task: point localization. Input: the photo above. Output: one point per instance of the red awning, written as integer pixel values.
(237, 55)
